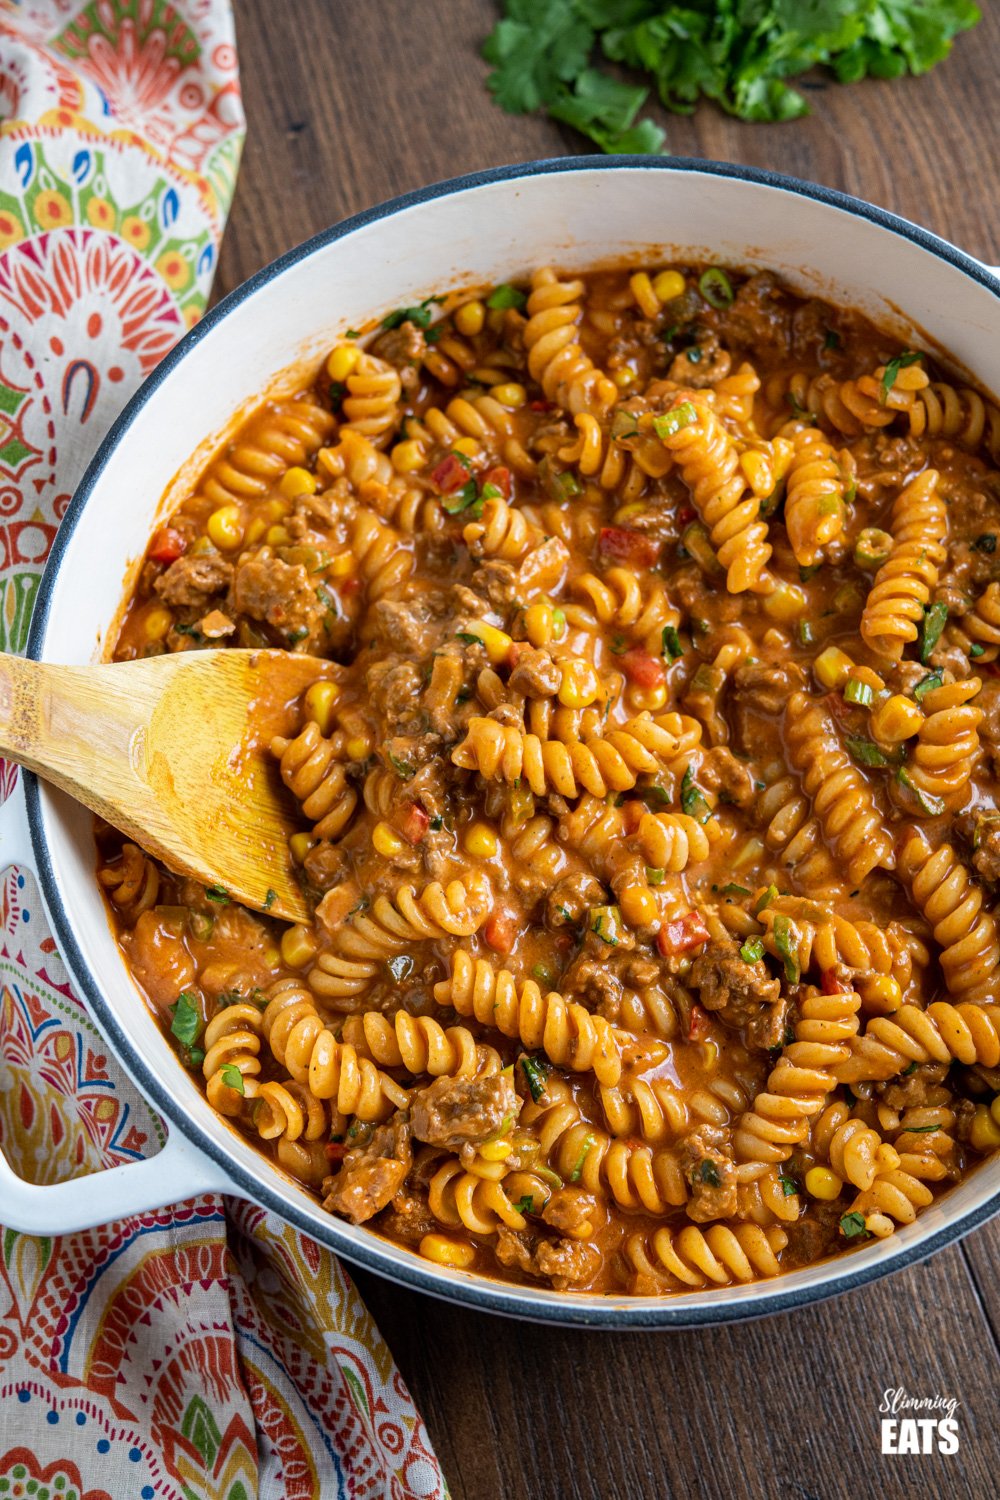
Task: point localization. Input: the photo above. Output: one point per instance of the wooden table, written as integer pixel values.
(350, 102)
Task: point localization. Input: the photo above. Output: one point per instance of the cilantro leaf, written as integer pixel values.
(186, 1022)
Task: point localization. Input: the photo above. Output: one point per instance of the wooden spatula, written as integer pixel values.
(173, 751)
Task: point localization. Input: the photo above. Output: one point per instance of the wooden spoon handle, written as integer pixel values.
(21, 687)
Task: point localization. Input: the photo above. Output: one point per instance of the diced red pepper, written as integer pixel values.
(644, 670)
(450, 474)
(499, 477)
(515, 651)
(838, 706)
(348, 586)
(167, 545)
(335, 1150)
(539, 404)
(415, 824)
(829, 982)
(699, 1025)
(686, 932)
(632, 813)
(629, 546)
(685, 515)
(501, 930)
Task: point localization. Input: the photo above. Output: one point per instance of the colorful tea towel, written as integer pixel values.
(206, 1351)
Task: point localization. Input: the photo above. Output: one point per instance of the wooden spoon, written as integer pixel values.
(172, 750)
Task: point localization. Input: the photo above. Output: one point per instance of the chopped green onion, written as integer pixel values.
(186, 1023)
(505, 296)
(976, 650)
(655, 875)
(670, 643)
(892, 369)
(928, 684)
(233, 1078)
(606, 923)
(935, 619)
(856, 691)
(716, 288)
(865, 752)
(782, 931)
(536, 1072)
(674, 421)
(732, 889)
(765, 899)
(872, 548)
(461, 499)
(655, 796)
(270, 899)
(805, 633)
(930, 806)
(752, 950)
(624, 423)
(695, 541)
(588, 1143)
(921, 1129)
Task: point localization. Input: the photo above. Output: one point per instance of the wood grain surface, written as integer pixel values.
(348, 103)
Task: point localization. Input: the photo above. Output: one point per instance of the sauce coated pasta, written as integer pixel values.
(649, 808)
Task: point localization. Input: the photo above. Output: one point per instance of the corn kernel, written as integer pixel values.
(386, 841)
(157, 622)
(275, 510)
(318, 703)
(343, 361)
(341, 564)
(787, 602)
(539, 624)
(277, 536)
(623, 377)
(467, 446)
(984, 1133)
(896, 719)
(407, 456)
(823, 1184)
(480, 841)
(580, 685)
(469, 318)
(255, 531)
(225, 527)
(298, 946)
(638, 906)
(880, 994)
(357, 747)
(645, 296)
(300, 844)
(298, 482)
(995, 1109)
(496, 1150)
(510, 394)
(668, 285)
(272, 957)
(497, 642)
(710, 1055)
(832, 667)
(447, 1252)
(652, 697)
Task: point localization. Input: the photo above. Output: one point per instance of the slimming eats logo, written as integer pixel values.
(918, 1424)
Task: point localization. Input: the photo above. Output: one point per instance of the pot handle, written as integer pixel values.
(178, 1172)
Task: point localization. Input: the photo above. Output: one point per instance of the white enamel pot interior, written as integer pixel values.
(493, 226)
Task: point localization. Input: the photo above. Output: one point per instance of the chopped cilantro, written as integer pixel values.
(186, 1023)
(401, 767)
(852, 1226)
(832, 340)
(233, 1078)
(217, 893)
(505, 296)
(194, 1057)
(892, 369)
(670, 643)
(928, 684)
(708, 1172)
(788, 1185)
(693, 799)
(525, 1205)
(930, 806)
(352, 333)
(606, 923)
(467, 638)
(986, 543)
(419, 316)
(865, 752)
(977, 650)
(270, 898)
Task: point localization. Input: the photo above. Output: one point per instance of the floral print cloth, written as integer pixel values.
(205, 1351)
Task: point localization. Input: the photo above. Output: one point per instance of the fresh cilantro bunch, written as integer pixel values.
(738, 52)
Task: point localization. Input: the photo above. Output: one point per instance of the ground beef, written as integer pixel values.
(769, 1027)
(760, 688)
(981, 831)
(496, 582)
(918, 1089)
(711, 1174)
(403, 347)
(729, 778)
(569, 1209)
(687, 589)
(407, 753)
(371, 1174)
(711, 364)
(326, 865)
(814, 1235)
(408, 1218)
(570, 899)
(192, 581)
(394, 688)
(404, 625)
(281, 595)
(760, 317)
(728, 984)
(535, 674)
(563, 1262)
(453, 1112)
(215, 625)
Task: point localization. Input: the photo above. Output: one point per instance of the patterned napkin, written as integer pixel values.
(206, 1351)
